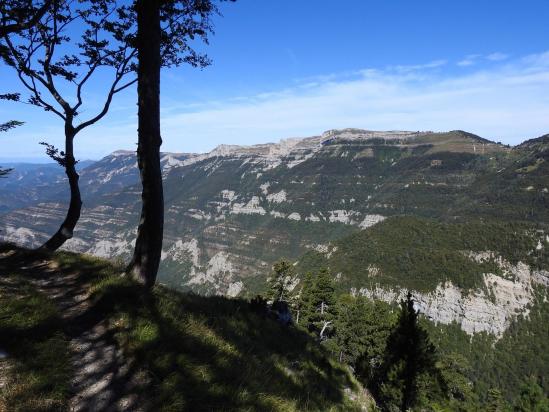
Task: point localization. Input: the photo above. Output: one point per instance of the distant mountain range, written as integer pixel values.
(326, 200)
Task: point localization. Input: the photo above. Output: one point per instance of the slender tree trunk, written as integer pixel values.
(148, 247)
(66, 229)
(326, 324)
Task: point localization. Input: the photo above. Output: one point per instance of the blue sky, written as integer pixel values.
(296, 68)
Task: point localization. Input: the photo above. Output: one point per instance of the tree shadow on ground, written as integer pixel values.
(180, 352)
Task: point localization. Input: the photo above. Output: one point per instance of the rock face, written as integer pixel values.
(490, 309)
(234, 211)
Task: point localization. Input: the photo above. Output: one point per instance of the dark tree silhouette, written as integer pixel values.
(4, 127)
(44, 56)
(409, 354)
(164, 31)
(19, 15)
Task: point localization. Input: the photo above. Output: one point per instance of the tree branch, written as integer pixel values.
(17, 27)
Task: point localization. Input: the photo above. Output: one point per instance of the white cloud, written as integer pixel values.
(473, 59)
(469, 60)
(497, 56)
(506, 103)
(411, 68)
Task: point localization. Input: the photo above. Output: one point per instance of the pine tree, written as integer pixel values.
(349, 329)
(281, 281)
(454, 371)
(531, 398)
(303, 308)
(361, 330)
(409, 355)
(323, 301)
(496, 403)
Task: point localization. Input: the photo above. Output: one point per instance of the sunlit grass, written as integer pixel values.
(190, 352)
(214, 353)
(38, 365)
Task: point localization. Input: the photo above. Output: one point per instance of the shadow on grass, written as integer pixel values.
(31, 334)
(183, 351)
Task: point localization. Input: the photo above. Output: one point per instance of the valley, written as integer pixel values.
(459, 222)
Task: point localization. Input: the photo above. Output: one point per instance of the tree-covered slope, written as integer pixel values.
(231, 213)
(419, 254)
(503, 363)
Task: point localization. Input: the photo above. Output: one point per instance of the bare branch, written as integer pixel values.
(80, 85)
(125, 86)
(23, 68)
(121, 72)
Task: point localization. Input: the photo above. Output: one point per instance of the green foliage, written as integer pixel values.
(281, 281)
(531, 398)
(496, 402)
(190, 352)
(408, 367)
(455, 370)
(37, 368)
(419, 254)
(4, 127)
(317, 304)
(362, 328)
(303, 301)
(503, 363)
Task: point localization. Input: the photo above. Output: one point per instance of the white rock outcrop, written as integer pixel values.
(476, 311)
(250, 208)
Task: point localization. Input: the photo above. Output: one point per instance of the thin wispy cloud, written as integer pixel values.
(505, 102)
(496, 57)
(473, 59)
(469, 60)
(412, 68)
(498, 98)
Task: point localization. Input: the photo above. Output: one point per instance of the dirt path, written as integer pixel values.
(103, 380)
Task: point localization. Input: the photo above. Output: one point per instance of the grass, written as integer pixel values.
(216, 354)
(188, 352)
(38, 365)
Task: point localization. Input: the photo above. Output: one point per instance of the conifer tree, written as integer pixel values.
(531, 398)
(361, 330)
(323, 301)
(281, 281)
(349, 328)
(303, 307)
(409, 355)
(456, 386)
(496, 403)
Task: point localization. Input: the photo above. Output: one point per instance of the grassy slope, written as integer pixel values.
(193, 353)
(31, 334)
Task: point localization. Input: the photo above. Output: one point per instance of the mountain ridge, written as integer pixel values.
(232, 212)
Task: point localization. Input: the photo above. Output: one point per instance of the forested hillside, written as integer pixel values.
(231, 213)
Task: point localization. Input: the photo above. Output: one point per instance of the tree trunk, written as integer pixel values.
(148, 247)
(326, 324)
(66, 229)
